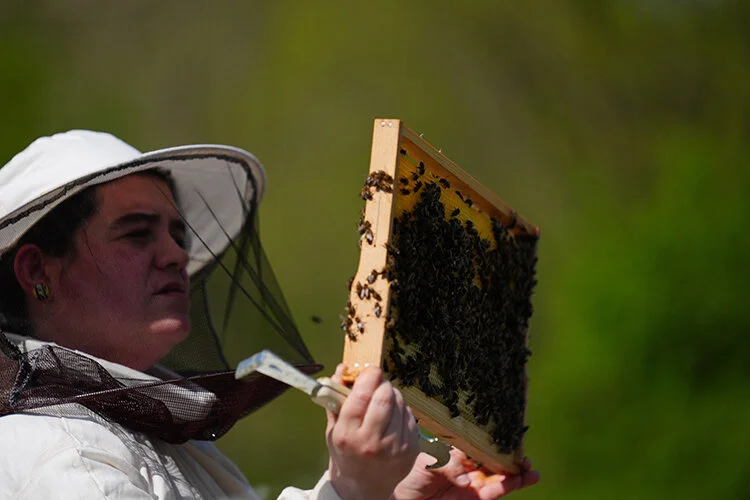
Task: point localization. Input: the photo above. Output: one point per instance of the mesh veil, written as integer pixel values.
(236, 309)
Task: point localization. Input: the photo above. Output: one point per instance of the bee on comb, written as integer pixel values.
(448, 316)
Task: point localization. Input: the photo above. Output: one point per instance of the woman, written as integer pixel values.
(102, 253)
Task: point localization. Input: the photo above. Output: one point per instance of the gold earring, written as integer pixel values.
(41, 291)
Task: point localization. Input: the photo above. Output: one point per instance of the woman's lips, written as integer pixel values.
(172, 288)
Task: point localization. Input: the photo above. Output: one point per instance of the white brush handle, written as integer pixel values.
(330, 395)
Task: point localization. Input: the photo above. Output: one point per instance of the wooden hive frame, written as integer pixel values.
(366, 342)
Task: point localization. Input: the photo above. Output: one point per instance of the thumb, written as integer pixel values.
(331, 417)
(337, 375)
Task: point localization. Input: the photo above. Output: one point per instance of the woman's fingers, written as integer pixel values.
(529, 477)
(497, 485)
(404, 422)
(374, 407)
(409, 423)
(369, 451)
(378, 420)
(355, 407)
(336, 377)
(455, 470)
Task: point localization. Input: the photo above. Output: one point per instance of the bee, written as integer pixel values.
(453, 408)
(316, 319)
(375, 294)
(455, 212)
(421, 168)
(513, 220)
(372, 276)
(363, 226)
(346, 323)
(386, 272)
(377, 310)
(417, 186)
(349, 283)
(460, 195)
(398, 364)
(409, 373)
(380, 180)
(390, 262)
(423, 382)
(396, 348)
(468, 202)
(383, 176)
(444, 182)
(369, 236)
(469, 225)
(483, 419)
(404, 191)
(350, 309)
(351, 336)
(427, 386)
(360, 325)
(402, 151)
(366, 193)
(404, 181)
(414, 176)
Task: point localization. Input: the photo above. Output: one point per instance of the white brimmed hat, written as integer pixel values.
(217, 186)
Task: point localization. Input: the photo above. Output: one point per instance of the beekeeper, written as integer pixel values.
(113, 376)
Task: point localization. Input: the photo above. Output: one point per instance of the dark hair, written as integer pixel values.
(54, 235)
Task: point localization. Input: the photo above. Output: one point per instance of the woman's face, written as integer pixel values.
(122, 295)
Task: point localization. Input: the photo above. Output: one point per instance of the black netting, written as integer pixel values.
(238, 293)
(174, 409)
(237, 309)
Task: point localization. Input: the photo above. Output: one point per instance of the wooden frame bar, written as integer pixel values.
(366, 341)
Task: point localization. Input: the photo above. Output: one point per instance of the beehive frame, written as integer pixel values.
(365, 342)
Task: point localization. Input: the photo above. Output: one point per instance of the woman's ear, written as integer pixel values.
(33, 268)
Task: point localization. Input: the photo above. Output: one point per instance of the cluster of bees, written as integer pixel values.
(460, 304)
(352, 324)
(380, 181)
(463, 309)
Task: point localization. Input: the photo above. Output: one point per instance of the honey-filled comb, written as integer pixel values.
(442, 297)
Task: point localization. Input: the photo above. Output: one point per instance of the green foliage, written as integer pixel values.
(650, 354)
(617, 126)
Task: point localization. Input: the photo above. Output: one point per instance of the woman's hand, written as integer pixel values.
(459, 480)
(372, 442)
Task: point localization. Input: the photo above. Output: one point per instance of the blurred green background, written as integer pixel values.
(618, 126)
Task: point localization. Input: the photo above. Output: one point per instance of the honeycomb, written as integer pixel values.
(442, 297)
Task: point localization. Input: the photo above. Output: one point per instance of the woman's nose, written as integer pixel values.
(171, 254)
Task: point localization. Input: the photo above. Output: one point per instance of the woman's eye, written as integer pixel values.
(140, 234)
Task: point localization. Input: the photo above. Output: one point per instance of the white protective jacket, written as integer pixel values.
(84, 456)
